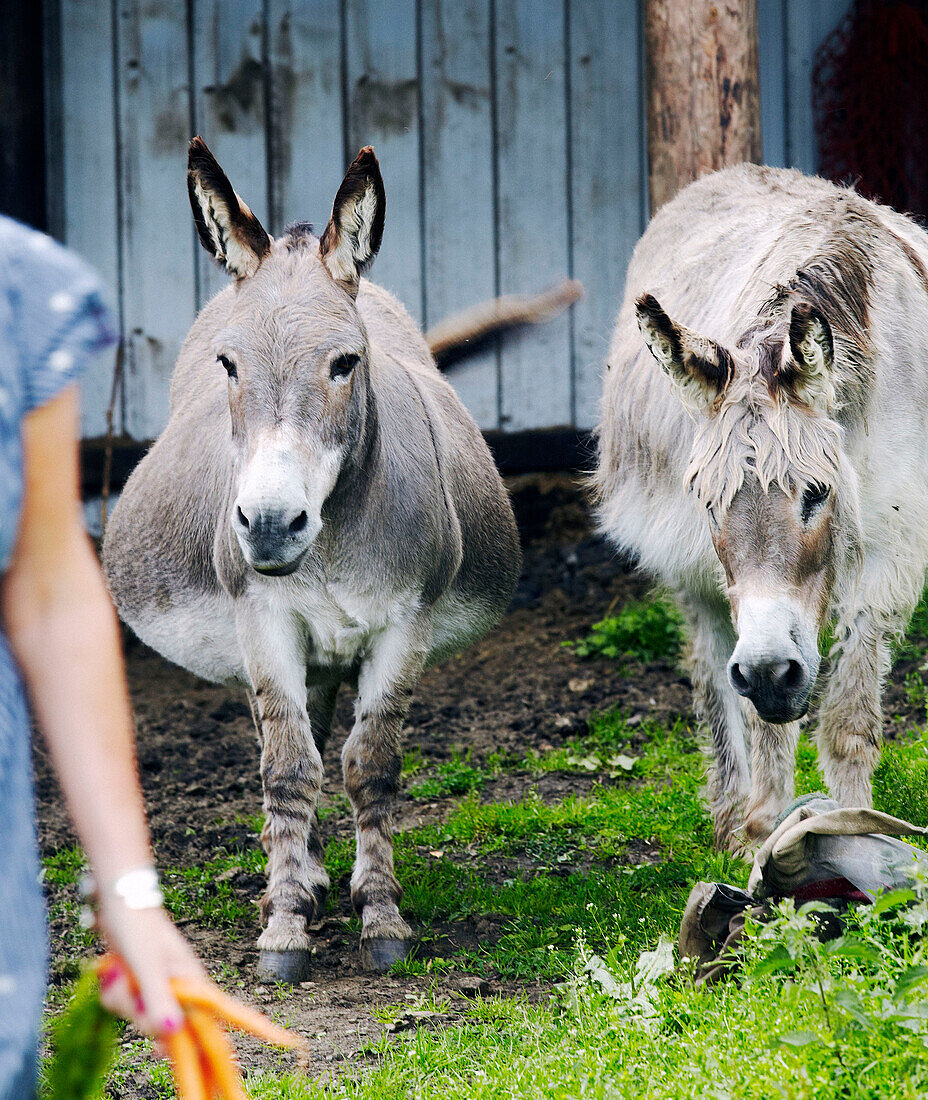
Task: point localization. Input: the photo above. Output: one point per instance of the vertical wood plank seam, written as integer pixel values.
(569, 183)
(643, 196)
(270, 148)
(494, 154)
(198, 288)
(119, 419)
(420, 118)
(347, 153)
(787, 129)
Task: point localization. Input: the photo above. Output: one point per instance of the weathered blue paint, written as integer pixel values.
(510, 134)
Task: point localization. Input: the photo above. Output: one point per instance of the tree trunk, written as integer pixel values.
(703, 90)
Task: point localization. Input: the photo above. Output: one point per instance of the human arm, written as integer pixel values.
(63, 632)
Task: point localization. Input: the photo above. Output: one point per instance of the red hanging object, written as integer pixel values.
(870, 102)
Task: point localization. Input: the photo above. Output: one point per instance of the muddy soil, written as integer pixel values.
(516, 690)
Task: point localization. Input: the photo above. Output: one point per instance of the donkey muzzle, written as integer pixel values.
(775, 663)
(273, 541)
(779, 689)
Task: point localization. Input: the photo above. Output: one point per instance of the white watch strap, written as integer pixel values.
(139, 888)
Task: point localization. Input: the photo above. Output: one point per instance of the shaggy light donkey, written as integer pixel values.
(772, 467)
(320, 508)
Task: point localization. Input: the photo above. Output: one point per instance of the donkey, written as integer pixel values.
(320, 508)
(772, 473)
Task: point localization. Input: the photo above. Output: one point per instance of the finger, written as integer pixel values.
(118, 996)
(185, 1058)
(207, 995)
(108, 967)
(219, 1053)
(156, 1009)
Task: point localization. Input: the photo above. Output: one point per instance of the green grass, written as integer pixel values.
(65, 867)
(914, 644)
(574, 892)
(644, 630)
(205, 893)
(771, 1036)
(540, 896)
(900, 783)
(456, 776)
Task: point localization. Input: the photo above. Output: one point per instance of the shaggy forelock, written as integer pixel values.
(298, 234)
(777, 442)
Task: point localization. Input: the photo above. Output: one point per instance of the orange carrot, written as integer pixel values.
(196, 993)
(185, 1059)
(216, 1049)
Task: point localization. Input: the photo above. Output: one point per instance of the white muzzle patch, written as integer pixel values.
(775, 662)
(277, 513)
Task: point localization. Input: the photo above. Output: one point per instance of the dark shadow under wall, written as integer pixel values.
(22, 113)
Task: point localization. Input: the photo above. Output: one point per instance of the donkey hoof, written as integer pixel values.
(283, 966)
(380, 954)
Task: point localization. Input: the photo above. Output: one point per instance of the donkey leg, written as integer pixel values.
(291, 775)
(320, 705)
(297, 883)
(773, 764)
(371, 761)
(850, 729)
(711, 641)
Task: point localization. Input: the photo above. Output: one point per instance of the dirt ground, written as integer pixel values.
(518, 689)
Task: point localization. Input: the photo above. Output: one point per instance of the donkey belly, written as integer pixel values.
(458, 623)
(197, 632)
(180, 612)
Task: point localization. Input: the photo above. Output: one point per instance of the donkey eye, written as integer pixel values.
(343, 365)
(228, 364)
(812, 499)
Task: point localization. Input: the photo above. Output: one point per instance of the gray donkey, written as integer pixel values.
(771, 467)
(320, 508)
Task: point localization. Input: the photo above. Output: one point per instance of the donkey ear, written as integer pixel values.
(228, 230)
(698, 366)
(352, 238)
(804, 372)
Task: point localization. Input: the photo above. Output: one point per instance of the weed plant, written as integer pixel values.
(644, 630)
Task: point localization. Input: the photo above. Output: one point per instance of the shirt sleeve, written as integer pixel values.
(60, 316)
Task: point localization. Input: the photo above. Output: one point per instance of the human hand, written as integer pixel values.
(201, 1052)
(150, 951)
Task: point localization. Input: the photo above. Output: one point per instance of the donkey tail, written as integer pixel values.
(463, 333)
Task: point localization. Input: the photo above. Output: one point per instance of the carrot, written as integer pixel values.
(209, 1079)
(217, 1051)
(196, 993)
(185, 1059)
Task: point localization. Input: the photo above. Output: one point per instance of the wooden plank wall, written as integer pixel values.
(510, 135)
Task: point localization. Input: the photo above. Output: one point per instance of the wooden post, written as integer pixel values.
(703, 90)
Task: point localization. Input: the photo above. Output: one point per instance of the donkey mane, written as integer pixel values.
(758, 425)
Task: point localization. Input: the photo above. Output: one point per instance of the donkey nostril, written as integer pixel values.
(740, 682)
(298, 524)
(242, 518)
(792, 678)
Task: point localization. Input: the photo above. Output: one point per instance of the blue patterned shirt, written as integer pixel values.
(53, 321)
